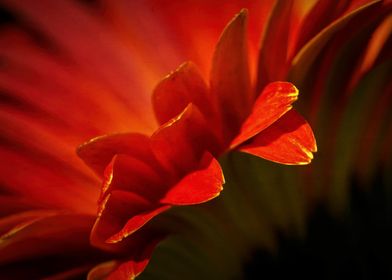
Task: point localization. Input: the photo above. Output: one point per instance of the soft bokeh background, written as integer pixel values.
(72, 70)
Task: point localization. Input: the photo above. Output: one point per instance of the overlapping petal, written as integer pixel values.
(98, 152)
(201, 185)
(120, 214)
(33, 232)
(181, 142)
(138, 255)
(132, 174)
(183, 86)
(230, 90)
(289, 140)
(145, 176)
(273, 102)
(273, 53)
(229, 78)
(182, 150)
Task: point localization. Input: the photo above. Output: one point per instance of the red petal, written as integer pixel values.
(114, 212)
(98, 51)
(102, 270)
(42, 233)
(303, 60)
(274, 101)
(199, 186)
(136, 222)
(98, 152)
(317, 19)
(180, 143)
(136, 265)
(183, 86)
(75, 272)
(11, 225)
(130, 269)
(131, 174)
(289, 140)
(11, 204)
(230, 82)
(274, 47)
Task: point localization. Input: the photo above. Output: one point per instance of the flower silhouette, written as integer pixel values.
(145, 176)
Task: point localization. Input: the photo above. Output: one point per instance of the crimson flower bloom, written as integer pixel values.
(69, 77)
(144, 176)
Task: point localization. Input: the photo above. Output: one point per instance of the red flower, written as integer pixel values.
(144, 176)
(79, 72)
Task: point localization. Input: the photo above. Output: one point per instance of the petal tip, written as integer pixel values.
(243, 13)
(239, 18)
(183, 66)
(314, 148)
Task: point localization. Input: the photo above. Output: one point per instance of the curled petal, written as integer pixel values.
(183, 86)
(129, 269)
(274, 101)
(136, 222)
(130, 174)
(114, 211)
(181, 142)
(198, 186)
(289, 140)
(102, 270)
(98, 152)
(134, 266)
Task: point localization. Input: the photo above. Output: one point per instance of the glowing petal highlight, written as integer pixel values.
(289, 140)
(180, 143)
(183, 86)
(98, 152)
(133, 267)
(274, 101)
(198, 186)
(133, 175)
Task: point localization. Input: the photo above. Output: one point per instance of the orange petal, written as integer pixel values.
(289, 140)
(180, 143)
(98, 152)
(183, 86)
(198, 186)
(229, 78)
(274, 101)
